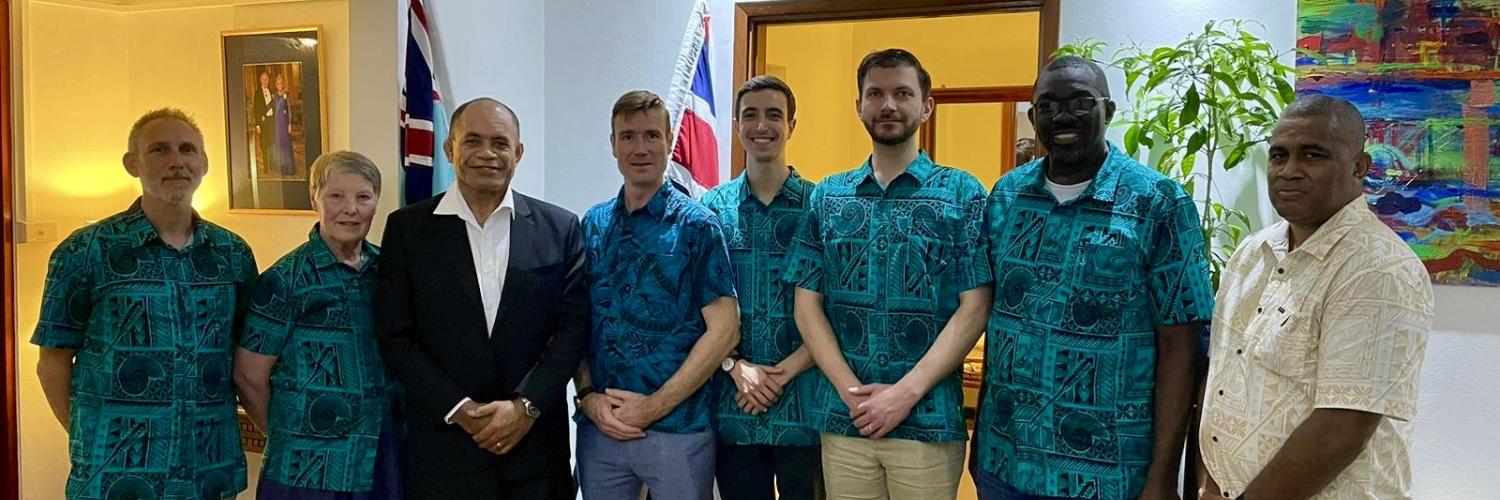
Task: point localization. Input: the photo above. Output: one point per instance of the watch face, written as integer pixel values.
(727, 365)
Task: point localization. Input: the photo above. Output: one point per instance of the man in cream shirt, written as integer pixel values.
(1319, 332)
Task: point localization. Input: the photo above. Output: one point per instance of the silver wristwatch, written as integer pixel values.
(728, 364)
(531, 409)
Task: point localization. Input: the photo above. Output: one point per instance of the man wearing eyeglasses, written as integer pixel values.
(1101, 287)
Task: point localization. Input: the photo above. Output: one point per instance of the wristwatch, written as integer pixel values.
(728, 364)
(582, 391)
(531, 409)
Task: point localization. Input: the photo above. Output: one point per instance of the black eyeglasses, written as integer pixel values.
(1078, 105)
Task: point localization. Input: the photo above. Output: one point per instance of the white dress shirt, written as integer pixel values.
(489, 244)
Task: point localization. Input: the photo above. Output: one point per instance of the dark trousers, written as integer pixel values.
(756, 472)
(490, 484)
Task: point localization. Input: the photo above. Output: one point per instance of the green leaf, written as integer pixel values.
(1189, 106)
(1189, 162)
(1285, 91)
(1228, 81)
(1254, 77)
(1237, 155)
(1158, 75)
(1195, 143)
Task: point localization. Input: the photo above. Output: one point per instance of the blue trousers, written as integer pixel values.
(674, 466)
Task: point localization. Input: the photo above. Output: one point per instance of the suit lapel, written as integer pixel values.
(522, 230)
(452, 240)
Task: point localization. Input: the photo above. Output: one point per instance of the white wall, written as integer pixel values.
(495, 49)
(1457, 442)
(596, 51)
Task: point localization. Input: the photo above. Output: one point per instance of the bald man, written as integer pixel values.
(1101, 290)
(1319, 333)
(483, 317)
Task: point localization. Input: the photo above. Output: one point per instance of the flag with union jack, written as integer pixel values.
(425, 170)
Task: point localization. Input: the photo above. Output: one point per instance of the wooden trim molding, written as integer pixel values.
(1005, 96)
(750, 20)
(9, 425)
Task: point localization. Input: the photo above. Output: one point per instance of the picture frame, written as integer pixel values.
(276, 113)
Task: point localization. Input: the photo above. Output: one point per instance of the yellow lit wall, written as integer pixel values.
(820, 60)
(970, 135)
(88, 74)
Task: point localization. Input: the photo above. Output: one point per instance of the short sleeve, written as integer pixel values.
(1374, 336)
(973, 246)
(1177, 267)
(67, 296)
(804, 267)
(270, 315)
(711, 265)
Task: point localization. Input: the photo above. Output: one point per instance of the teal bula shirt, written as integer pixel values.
(153, 401)
(759, 237)
(891, 263)
(329, 391)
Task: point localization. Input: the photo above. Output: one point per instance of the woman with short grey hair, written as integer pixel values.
(308, 367)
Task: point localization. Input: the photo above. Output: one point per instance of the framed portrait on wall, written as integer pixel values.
(276, 108)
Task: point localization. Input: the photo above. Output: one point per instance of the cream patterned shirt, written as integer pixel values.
(1339, 322)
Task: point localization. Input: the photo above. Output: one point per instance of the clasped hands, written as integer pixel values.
(878, 408)
(495, 426)
(758, 386)
(623, 415)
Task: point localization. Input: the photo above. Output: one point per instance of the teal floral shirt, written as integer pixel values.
(759, 236)
(329, 392)
(650, 273)
(890, 264)
(1070, 353)
(153, 402)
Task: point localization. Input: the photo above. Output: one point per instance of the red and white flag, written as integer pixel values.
(695, 153)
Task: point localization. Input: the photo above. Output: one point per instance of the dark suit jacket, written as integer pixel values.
(432, 332)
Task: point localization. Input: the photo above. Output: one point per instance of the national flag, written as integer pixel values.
(425, 170)
(695, 152)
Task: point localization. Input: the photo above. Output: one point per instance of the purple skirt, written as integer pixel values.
(387, 481)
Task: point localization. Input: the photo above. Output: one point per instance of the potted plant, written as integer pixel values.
(1201, 103)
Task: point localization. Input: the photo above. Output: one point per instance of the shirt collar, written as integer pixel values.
(920, 169)
(791, 189)
(1101, 187)
(454, 203)
(323, 257)
(656, 206)
(140, 227)
(1321, 242)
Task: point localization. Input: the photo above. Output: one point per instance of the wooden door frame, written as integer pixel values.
(9, 435)
(1005, 96)
(751, 19)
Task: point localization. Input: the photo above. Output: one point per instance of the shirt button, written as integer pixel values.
(1280, 270)
(1215, 438)
(1221, 392)
(1226, 494)
(1257, 310)
(1239, 351)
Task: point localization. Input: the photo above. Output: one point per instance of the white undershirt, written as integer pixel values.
(490, 246)
(1068, 192)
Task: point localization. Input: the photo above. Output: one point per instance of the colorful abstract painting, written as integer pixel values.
(1423, 73)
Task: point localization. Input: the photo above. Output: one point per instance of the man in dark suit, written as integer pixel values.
(483, 317)
(260, 113)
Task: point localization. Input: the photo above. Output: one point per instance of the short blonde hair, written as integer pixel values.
(349, 161)
(156, 114)
(639, 101)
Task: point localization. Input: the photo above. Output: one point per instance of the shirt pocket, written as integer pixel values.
(1285, 346)
(1110, 258)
